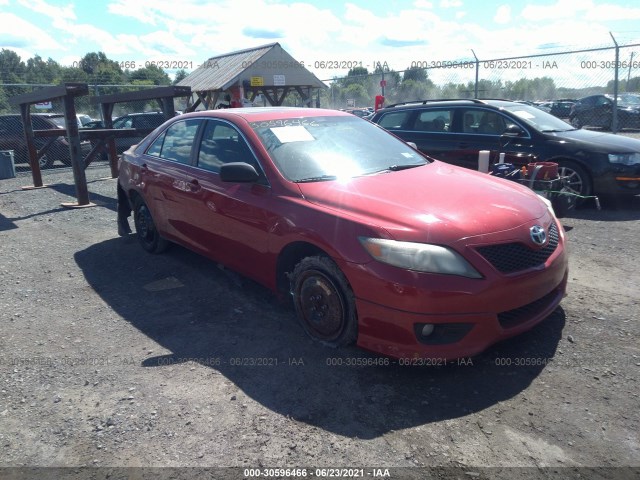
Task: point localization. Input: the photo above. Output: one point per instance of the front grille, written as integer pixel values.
(517, 316)
(513, 257)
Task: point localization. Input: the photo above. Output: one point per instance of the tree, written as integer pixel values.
(416, 74)
(39, 71)
(101, 70)
(357, 75)
(12, 70)
(180, 75)
(151, 75)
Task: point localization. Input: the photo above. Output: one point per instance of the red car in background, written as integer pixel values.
(376, 244)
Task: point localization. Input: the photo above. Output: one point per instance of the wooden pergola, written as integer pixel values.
(67, 93)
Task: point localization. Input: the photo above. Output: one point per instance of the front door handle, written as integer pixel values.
(194, 186)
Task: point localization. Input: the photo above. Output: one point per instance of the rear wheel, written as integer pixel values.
(324, 301)
(146, 230)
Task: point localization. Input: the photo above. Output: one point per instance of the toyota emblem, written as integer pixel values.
(538, 235)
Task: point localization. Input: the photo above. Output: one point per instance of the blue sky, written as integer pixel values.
(397, 32)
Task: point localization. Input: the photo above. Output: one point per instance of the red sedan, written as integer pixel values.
(376, 244)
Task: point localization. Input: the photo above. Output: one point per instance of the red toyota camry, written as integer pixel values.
(405, 256)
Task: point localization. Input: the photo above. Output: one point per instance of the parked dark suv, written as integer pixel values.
(12, 138)
(597, 111)
(145, 122)
(455, 131)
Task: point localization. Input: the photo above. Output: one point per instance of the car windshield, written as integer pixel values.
(328, 148)
(628, 100)
(542, 121)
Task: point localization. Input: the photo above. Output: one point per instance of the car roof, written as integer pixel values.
(490, 102)
(256, 114)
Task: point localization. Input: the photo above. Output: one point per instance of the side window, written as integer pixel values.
(39, 123)
(484, 122)
(125, 122)
(175, 143)
(222, 143)
(11, 125)
(394, 120)
(148, 122)
(433, 121)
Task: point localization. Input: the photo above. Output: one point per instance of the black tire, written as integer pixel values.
(324, 301)
(45, 162)
(146, 231)
(577, 180)
(575, 121)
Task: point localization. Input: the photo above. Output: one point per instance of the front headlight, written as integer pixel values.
(625, 158)
(548, 203)
(421, 257)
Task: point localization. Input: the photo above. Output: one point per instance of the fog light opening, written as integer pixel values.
(427, 329)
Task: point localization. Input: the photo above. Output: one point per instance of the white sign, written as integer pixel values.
(44, 106)
(278, 81)
(292, 133)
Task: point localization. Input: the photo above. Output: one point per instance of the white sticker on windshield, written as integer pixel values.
(292, 133)
(407, 155)
(523, 114)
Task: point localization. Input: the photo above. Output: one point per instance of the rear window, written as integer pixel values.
(394, 120)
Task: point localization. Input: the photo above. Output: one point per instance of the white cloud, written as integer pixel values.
(560, 10)
(51, 11)
(19, 33)
(503, 14)
(450, 3)
(607, 12)
(423, 4)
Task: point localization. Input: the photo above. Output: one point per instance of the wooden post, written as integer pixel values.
(36, 174)
(77, 161)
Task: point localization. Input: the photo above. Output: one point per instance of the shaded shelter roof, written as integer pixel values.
(270, 63)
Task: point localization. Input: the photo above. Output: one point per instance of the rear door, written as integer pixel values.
(163, 180)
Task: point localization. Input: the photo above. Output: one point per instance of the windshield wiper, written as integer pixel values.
(558, 130)
(320, 178)
(395, 168)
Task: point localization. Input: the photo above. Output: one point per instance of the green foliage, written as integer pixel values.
(416, 74)
(151, 75)
(180, 75)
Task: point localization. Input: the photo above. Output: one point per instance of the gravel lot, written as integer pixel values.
(111, 357)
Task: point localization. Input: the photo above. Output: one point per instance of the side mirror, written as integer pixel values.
(412, 145)
(513, 131)
(238, 172)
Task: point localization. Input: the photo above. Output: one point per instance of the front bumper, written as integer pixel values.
(468, 315)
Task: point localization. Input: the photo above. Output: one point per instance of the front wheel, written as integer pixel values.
(324, 302)
(575, 178)
(146, 230)
(575, 121)
(45, 162)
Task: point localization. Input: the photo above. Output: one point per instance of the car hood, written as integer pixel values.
(437, 202)
(600, 141)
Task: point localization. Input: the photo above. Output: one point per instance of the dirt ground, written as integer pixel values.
(111, 357)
